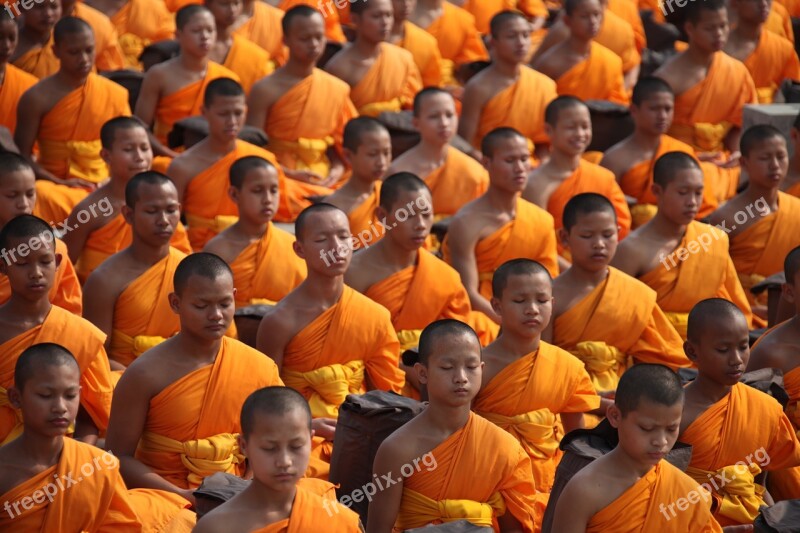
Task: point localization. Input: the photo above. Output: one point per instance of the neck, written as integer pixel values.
(298, 69)
(197, 348)
(147, 254)
(42, 449)
(224, 33)
(193, 63)
(518, 345)
(221, 146)
(769, 194)
(646, 139)
(36, 36)
(665, 227)
(709, 390)
(510, 69)
(36, 310)
(748, 31)
(501, 200)
(699, 57)
(579, 45)
(366, 48)
(627, 463)
(395, 256)
(116, 188)
(71, 80)
(446, 417)
(593, 278)
(249, 228)
(269, 500)
(358, 185)
(434, 151)
(398, 30)
(327, 290)
(563, 161)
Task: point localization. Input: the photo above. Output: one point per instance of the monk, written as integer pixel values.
(333, 27)
(580, 66)
(175, 415)
(18, 197)
(508, 93)
(108, 53)
(13, 80)
(301, 108)
(527, 383)
(34, 53)
(368, 152)
(30, 262)
(591, 321)
(138, 23)
(566, 173)
(69, 162)
(632, 159)
(260, 22)
(382, 76)
(760, 220)
(174, 89)
(499, 225)
(483, 11)
(736, 432)
(234, 52)
(422, 45)
(265, 267)
(711, 88)
(791, 184)
(447, 438)
(453, 177)
(41, 463)
(454, 30)
(769, 58)
(279, 416)
(633, 484)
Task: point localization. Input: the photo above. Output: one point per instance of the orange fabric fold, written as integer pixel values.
(15, 83)
(425, 51)
(248, 61)
(139, 23)
(363, 223)
(309, 511)
(389, 85)
(779, 22)
(264, 29)
(617, 35)
(458, 38)
(598, 77)
(628, 11)
(39, 61)
(773, 61)
(333, 26)
(459, 181)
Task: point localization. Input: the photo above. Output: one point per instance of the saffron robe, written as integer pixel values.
(459, 181)
(779, 22)
(309, 512)
(520, 106)
(191, 426)
(66, 290)
(333, 26)
(773, 61)
(452, 490)
(143, 317)
(390, 84)
(140, 23)
(708, 272)
(732, 432)
(617, 321)
(307, 120)
(264, 29)
(458, 38)
(85, 342)
(267, 269)
(617, 35)
(425, 51)
(248, 61)
(598, 77)
(39, 61)
(484, 10)
(705, 113)
(15, 83)
(108, 53)
(628, 11)
(364, 226)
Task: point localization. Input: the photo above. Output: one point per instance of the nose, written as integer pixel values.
(59, 405)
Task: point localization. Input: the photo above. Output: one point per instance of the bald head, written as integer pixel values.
(205, 265)
(442, 330)
(38, 356)
(515, 267)
(496, 138)
(654, 383)
(708, 313)
(309, 212)
(791, 266)
(670, 164)
(272, 401)
(68, 26)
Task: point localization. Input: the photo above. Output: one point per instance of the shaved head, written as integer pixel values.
(201, 264)
(274, 401)
(38, 356)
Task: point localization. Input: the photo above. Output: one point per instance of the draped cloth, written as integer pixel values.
(15, 83)
(598, 77)
(458, 38)
(773, 61)
(248, 61)
(425, 51)
(458, 181)
(390, 84)
(140, 23)
(264, 29)
(309, 511)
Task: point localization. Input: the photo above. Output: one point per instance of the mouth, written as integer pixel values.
(737, 374)
(286, 477)
(533, 322)
(267, 212)
(599, 257)
(657, 455)
(60, 422)
(37, 286)
(164, 234)
(461, 391)
(216, 327)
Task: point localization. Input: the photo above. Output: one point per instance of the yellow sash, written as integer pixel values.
(376, 108)
(534, 430)
(417, 510)
(680, 321)
(217, 224)
(310, 153)
(409, 338)
(740, 496)
(132, 46)
(327, 387)
(641, 214)
(138, 344)
(706, 136)
(16, 431)
(604, 363)
(83, 158)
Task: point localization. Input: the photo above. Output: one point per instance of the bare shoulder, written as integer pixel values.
(481, 86)
(339, 63)
(223, 246)
(778, 349)
(109, 279)
(357, 275)
(632, 254)
(619, 158)
(727, 211)
(230, 517)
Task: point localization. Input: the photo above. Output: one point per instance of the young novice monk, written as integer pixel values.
(526, 383)
(566, 173)
(175, 411)
(126, 151)
(453, 177)
(35, 53)
(455, 444)
(277, 419)
(40, 464)
(683, 260)
(30, 262)
(420, 43)
(499, 226)
(18, 197)
(633, 484)
(607, 318)
(13, 80)
(736, 432)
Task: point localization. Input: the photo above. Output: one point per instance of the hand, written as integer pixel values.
(709, 156)
(304, 176)
(324, 427)
(188, 494)
(732, 161)
(334, 175)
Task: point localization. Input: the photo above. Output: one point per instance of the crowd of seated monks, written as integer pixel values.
(536, 222)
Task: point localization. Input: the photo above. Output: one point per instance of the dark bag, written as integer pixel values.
(783, 517)
(216, 490)
(767, 380)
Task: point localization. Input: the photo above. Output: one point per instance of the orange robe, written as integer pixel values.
(739, 436)
(794, 190)
(139, 23)
(248, 61)
(351, 341)
(520, 106)
(80, 502)
(66, 290)
(617, 35)
(425, 51)
(628, 11)
(186, 101)
(108, 53)
(773, 61)
(192, 424)
(85, 342)
(458, 38)
(459, 181)
(114, 237)
(589, 177)
(616, 322)
(682, 284)
(527, 236)
(639, 507)
(783, 484)
(779, 22)
(264, 29)
(39, 61)
(333, 27)
(309, 511)
(792, 7)
(505, 481)
(143, 317)
(705, 113)
(598, 77)
(267, 269)
(485, 10)
(364, 224)
(15, 83)
(309, 119)
(389, 85)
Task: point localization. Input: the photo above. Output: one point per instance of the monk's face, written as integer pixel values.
(410, 217)
(49, 399)
(722, 350)
(437, 121)
(225, 11)
(155, 215)
(76, 53)
(372, 158)
(585, 20)
(680, 200)
(572, 132)
(258, 197)
(129, 154)
(454, 370)
(375, 23)
(205, 306)
(326, 244)
(226, 116)
(402, 9)
(306, 38)
(592, 241)
(17, 194)
(513, 42)
(198, 34)
(752, 11)
(42, 17)
(647, 433)
(710, 33)
(30, 264)
(654, 115)
(278, 449)
(8, 39)
(767, 162)
(509, 164)
(525, 305)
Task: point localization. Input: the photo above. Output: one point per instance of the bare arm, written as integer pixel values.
(572, 421)
(76, 238)
(557, 33)
(272, 336)
(462, 241)
(99, 299)
(385, 505)
(31, 108)
(146, 106)
(626, 259)
(179, 176)
(470, 112)
(572, 513)
(258, 104)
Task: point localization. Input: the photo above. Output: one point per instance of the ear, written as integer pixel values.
(422, 373)
(174, 302)
(348, 155)
(233, 194)
(381, 213)
(787, 291)
(497, 307)
(657, 190)
(794, 134)
(298, 249)
(242, 444)
(614, 415)
(15, 397)
(415, 122)
(59, 259)
(485, 160)
(563, 237)
(548, 129)
(105, 154)
(127, 214)
(689, 350)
